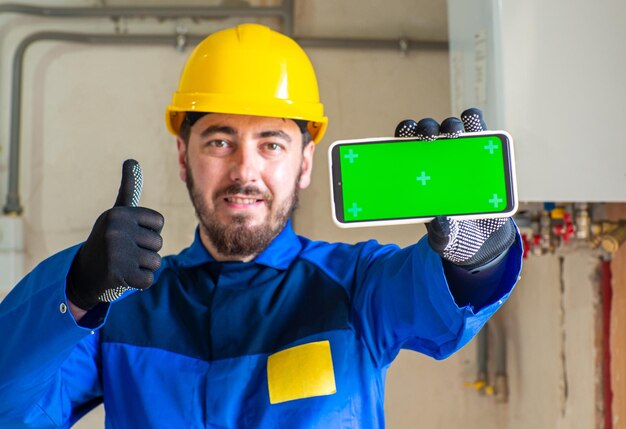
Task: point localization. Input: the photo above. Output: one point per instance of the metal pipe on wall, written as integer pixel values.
(482, 345)
(606, 292)
(499, 388)
(501, 382)
(402, 45)
(13, 205)
(285, 11)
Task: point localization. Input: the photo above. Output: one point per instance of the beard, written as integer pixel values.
(237, 238)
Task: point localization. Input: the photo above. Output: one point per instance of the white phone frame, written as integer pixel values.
(385, 222)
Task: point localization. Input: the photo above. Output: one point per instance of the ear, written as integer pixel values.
(307, 165)
(182, 154)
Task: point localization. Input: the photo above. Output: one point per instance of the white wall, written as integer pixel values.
(564, 90)
(87, 108)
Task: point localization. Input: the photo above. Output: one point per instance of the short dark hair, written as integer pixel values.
(192, 117)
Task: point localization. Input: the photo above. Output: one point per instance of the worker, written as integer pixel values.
(252, 326)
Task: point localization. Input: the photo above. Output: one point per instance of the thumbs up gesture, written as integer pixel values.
(121, 250)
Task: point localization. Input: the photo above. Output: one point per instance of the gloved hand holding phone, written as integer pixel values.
(470, 244)
(121, 252)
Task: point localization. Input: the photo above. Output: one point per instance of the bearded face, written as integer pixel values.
(243, 174)
(238, 237)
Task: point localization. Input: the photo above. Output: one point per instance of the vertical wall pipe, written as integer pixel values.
(13, 204)
(501, 382)
(500, 387)
(607, 298)
(482, 343)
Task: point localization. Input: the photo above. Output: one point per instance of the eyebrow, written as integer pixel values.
(275, 133)
(225, 129)
(214, 129)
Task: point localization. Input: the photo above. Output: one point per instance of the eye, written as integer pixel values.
(217, 147)
(217, 144)
(273, 149)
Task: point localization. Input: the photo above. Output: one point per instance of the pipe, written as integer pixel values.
(13, 205)
(500, 388)
(402, 45)
(482, 344)
(288, 22)
(607, 297)
(501, 383)
(154, 12)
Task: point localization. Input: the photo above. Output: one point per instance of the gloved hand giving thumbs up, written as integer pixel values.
(466, 243)
(121, 251)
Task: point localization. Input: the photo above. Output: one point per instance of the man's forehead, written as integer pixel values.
(245, 121)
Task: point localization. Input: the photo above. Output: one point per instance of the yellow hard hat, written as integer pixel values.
(249, 70)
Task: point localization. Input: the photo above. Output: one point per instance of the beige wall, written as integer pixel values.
(88, 108)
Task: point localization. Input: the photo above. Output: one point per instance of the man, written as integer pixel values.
(251, 326)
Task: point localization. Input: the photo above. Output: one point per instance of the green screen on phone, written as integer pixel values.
(399, 179)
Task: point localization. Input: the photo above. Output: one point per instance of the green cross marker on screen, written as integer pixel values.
(354, 210)
(423, 178)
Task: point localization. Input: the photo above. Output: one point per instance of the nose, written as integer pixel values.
(245, 165)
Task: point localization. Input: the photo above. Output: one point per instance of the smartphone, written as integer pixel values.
(388, 181)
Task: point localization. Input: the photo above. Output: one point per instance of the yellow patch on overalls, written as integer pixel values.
(301, 372)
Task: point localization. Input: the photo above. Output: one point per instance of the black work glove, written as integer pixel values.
(466, 243)
(121, 251)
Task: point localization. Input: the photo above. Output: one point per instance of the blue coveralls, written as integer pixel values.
(301, 337)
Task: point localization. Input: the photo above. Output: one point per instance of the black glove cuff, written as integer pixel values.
(498, 243)
(72, 293)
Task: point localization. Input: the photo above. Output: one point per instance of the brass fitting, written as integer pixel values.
(609, 235)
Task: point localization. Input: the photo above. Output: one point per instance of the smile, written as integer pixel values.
(237, 200)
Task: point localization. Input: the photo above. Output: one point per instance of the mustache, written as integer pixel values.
(249, 191)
